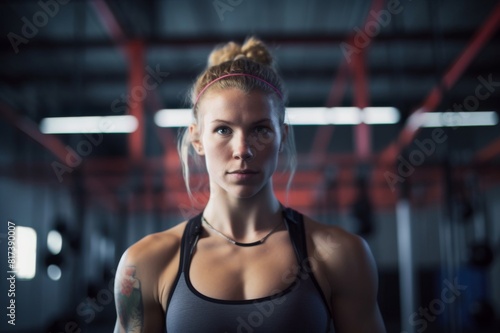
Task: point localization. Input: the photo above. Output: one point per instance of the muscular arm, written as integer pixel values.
(136, 289)
(354, 289)
(129, 303)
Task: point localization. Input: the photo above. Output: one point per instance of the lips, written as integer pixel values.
(243, 175)
(243, 171)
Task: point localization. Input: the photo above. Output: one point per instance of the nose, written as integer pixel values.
(242, 149)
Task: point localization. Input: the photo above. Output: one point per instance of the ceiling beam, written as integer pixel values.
(488, 153)
(452, 74)
(328, 40)
(50, 142)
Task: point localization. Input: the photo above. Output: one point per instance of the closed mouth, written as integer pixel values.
(243, 171)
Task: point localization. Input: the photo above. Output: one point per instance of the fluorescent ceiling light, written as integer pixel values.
(380, 115)
(173, 118)
(301, 116)
(457, 119)
(106, 124)
(324, 116)
(344, 115)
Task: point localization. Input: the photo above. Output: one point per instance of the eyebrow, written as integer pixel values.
(231, 123)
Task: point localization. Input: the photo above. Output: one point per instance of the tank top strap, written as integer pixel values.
(190, 237)
(295, 225)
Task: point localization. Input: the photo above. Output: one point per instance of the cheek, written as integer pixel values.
(267, 142)
(216, 154)
(214, 148)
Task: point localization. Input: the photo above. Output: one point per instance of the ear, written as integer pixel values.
(194, 134)
(284, 135)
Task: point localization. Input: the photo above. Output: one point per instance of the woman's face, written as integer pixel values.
(240, 137)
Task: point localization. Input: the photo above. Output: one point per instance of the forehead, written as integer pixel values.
(236, 105)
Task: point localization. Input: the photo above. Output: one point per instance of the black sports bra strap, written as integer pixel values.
(295, 225)
(294, 222)
(189, 240)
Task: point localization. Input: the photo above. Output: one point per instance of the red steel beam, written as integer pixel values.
(362, 132)
(136, 105)
(64, 153)
(133, 51)
(30, 128)
(325, 133)
(105, 178)
(313, 39)
(482, 36)
(487, 153)
(111, 25)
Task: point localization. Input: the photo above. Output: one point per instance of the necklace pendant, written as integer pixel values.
(234, 242)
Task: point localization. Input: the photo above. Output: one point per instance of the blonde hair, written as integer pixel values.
(254, 59)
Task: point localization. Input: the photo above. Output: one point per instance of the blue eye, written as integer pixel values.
(262, 130)
(223, 130)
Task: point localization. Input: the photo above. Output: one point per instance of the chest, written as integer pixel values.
(224, 271)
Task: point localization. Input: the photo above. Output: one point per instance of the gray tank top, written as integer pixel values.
(301, 307)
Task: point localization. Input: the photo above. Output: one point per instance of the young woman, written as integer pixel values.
(246, 263)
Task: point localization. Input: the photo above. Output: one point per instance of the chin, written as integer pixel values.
(244, 192)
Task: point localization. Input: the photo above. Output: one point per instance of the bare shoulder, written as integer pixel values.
(341, 253)
(139, 282)
(154, 251)
(333, 239)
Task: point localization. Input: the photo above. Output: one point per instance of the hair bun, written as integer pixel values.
(257, 51)
(253, 49)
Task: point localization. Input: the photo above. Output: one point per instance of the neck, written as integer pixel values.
(244, 219)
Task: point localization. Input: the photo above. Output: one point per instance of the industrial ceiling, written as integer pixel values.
(64, 58)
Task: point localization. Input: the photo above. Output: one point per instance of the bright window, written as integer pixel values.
(26, 252)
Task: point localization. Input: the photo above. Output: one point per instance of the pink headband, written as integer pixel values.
(236, 74)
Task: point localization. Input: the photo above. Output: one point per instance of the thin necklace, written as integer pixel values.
(232, 241)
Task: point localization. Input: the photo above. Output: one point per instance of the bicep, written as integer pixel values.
(354, 301)
(129, 300)
(137, 311)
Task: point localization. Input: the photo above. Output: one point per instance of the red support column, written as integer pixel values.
(137, 94)
(362, 132)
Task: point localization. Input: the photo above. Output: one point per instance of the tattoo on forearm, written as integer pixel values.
(129, 301)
